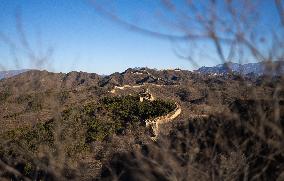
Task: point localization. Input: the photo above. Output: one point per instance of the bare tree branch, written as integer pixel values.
(13, 171)
(280, 10)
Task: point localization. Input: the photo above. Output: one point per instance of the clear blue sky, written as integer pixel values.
(84, 41)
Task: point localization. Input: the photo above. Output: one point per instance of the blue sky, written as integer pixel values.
(84, 41)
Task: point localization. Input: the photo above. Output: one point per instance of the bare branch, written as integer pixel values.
(280, 10)
(13, 171)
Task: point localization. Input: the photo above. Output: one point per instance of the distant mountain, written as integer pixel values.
(260, 68)
(11, 73)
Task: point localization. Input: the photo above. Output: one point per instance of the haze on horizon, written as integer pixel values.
(79, 36)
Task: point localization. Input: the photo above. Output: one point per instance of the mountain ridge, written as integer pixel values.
(259, 68)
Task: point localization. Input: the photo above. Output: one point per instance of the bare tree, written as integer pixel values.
(21, 51)
(234, 28)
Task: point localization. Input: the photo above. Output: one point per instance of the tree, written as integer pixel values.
(233, 28)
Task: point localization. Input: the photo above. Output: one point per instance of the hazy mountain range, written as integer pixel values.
(11, 73)
(259, 68)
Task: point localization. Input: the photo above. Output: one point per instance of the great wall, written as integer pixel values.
(155, 123)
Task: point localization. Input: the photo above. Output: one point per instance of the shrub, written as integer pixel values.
(4, 95)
